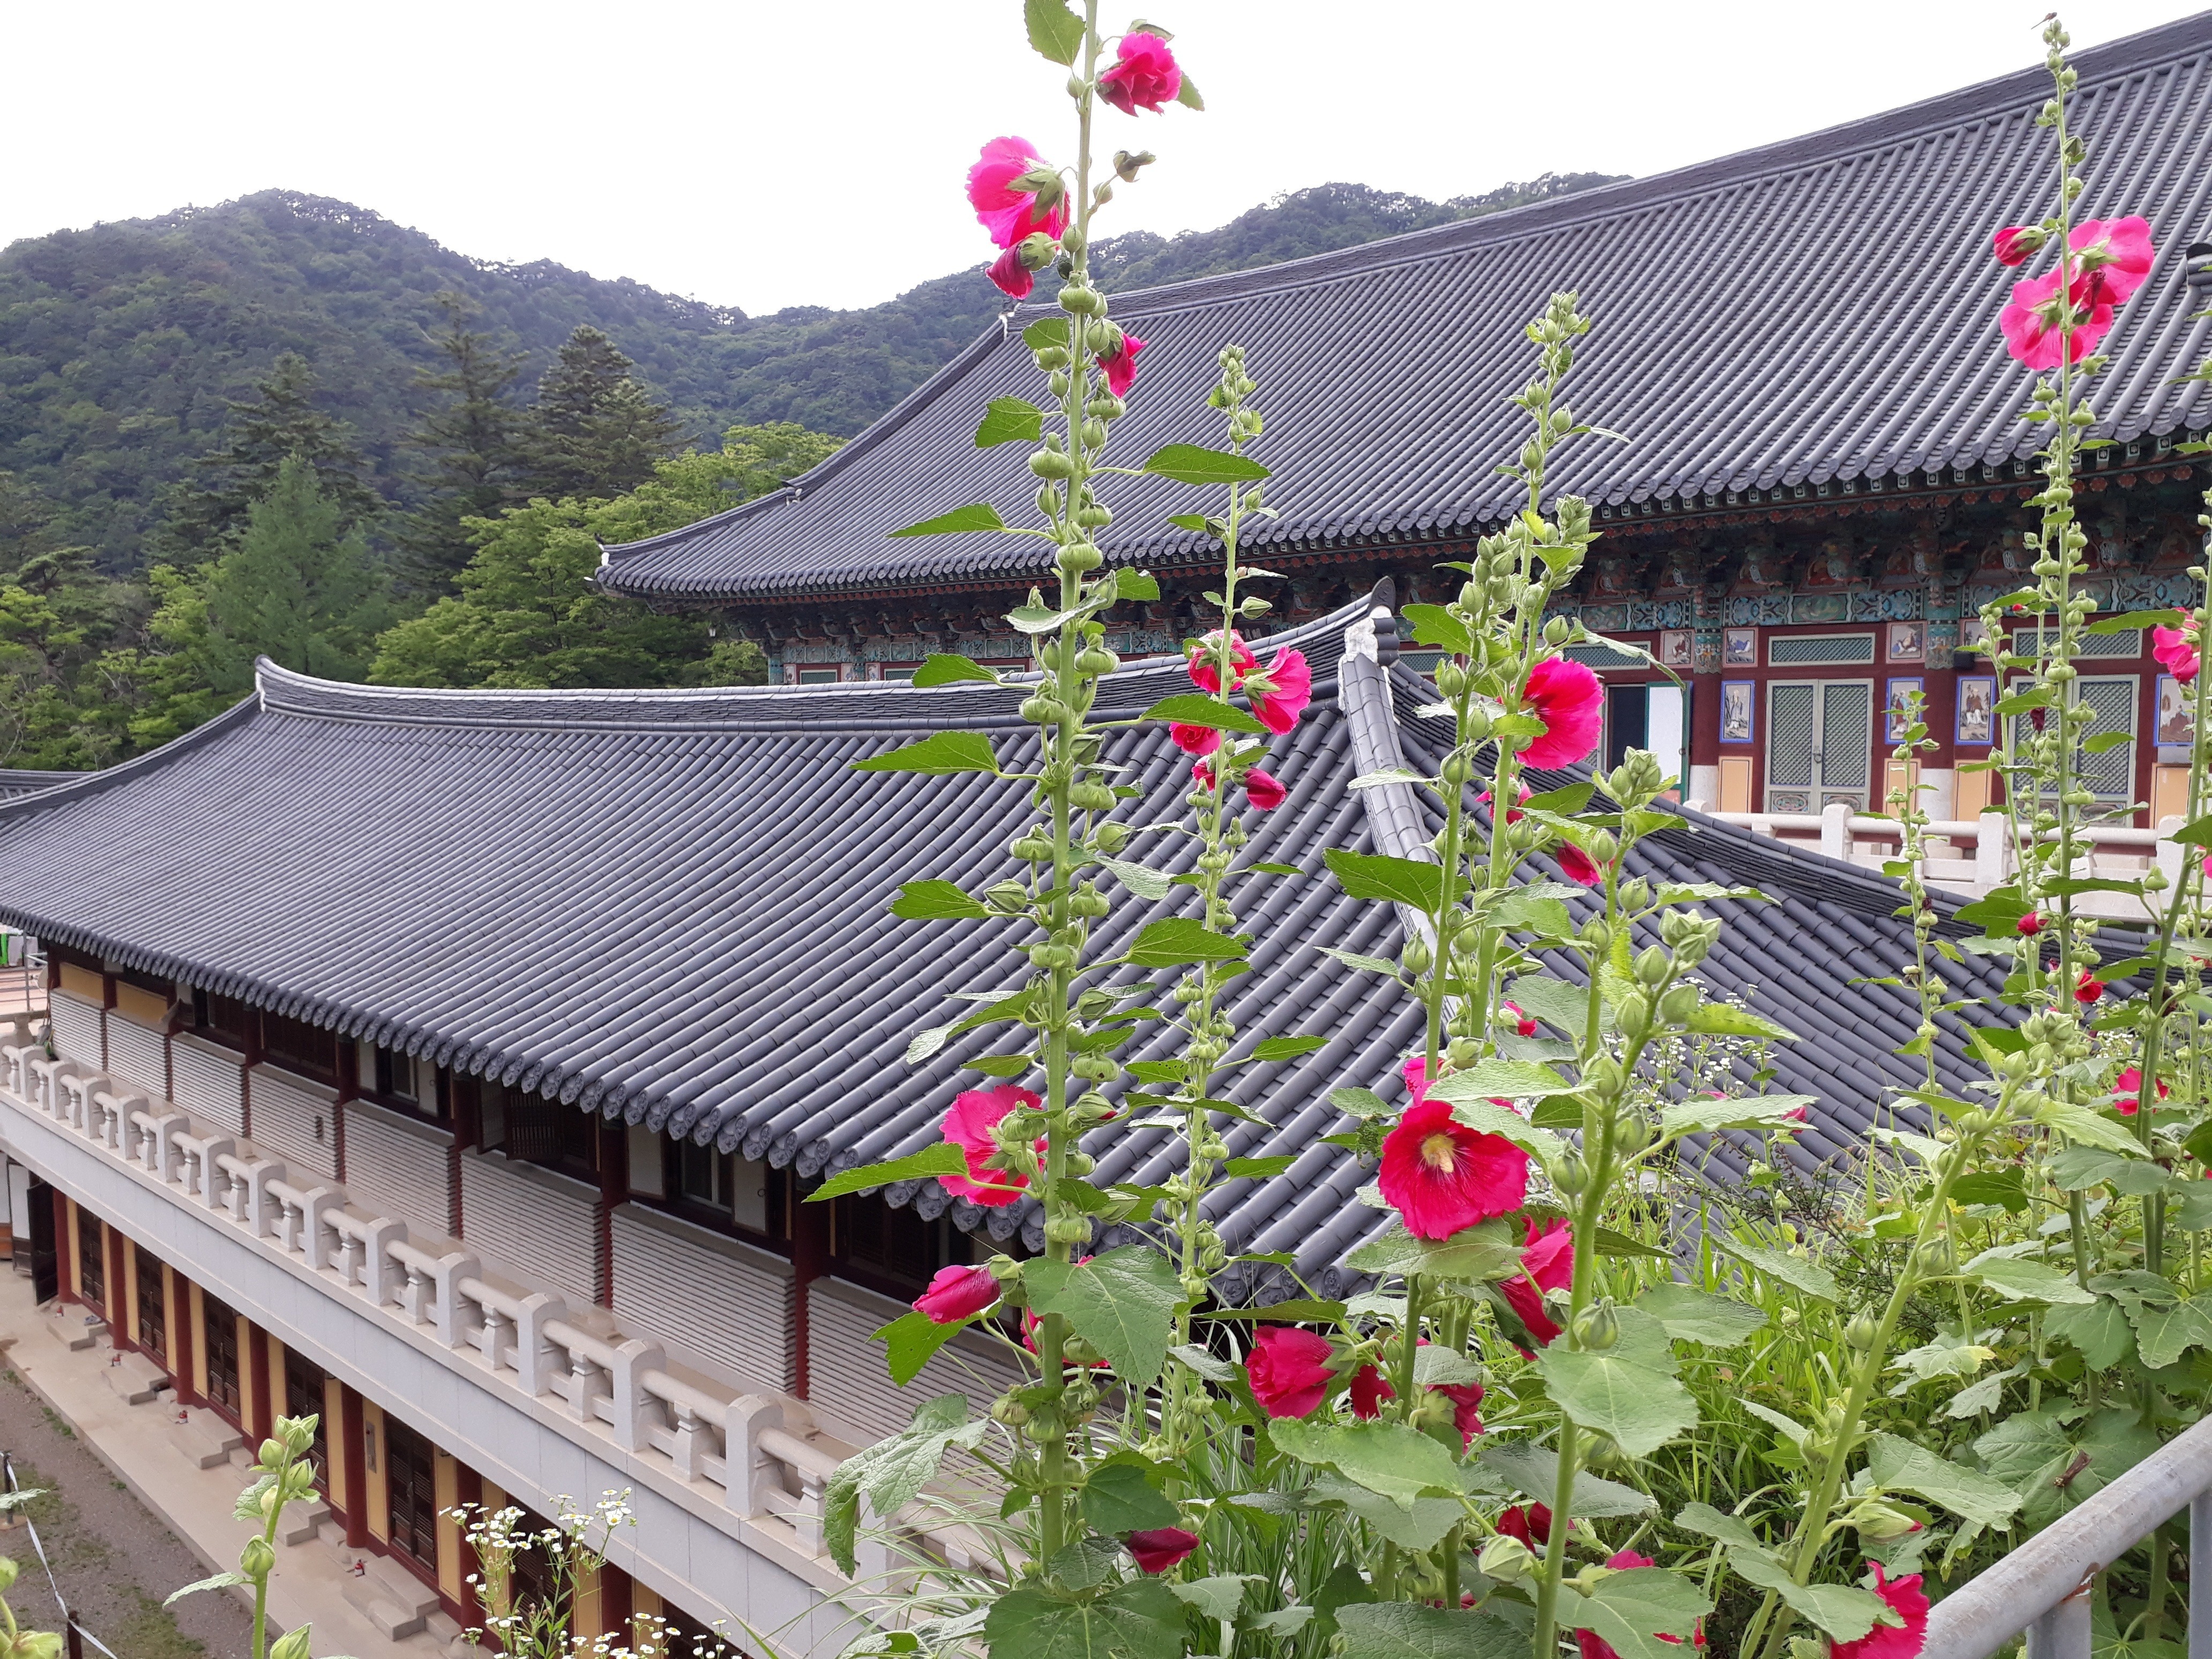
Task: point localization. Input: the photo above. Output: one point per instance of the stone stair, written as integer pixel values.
(205, 1438)
(304, 1522)
(138, 1379)
(391, 1598)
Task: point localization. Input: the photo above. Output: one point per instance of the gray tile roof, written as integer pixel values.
(669, 906)
(1817, 310)
(15, 781)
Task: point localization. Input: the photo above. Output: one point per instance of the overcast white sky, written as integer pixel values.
(764, 154)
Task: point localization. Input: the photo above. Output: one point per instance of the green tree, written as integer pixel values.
(527, 615)
(206, 514)
(57, 616)
(300, 587)
(594, 430)
(473, 440)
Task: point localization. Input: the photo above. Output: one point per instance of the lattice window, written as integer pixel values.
(1604, 656)
(2110, 774)
(1789, 728)
(1846, 735)
(1815, 650)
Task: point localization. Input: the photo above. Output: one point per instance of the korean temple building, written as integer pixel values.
(1822, 474)
(455, 1064)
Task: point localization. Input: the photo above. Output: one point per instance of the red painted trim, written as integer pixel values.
(351, 1423)
(265, 1402)
(180, 1327)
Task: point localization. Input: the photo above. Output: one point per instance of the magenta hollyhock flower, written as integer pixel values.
(1204, 660)
(1512, 813)
(1466, 1397)
(956, 1292)
(1263, 789)
(1010, 274)
(1144, 76)
(1159, 1548)
(1522, 1025)
(1577, 865)
(1441, 1176)
(1549, 1259)
(1120, 365)
(1891, 1641)
(1281, 695)
(2030, 324)
(2029, 925)
(1369, 1391)
(1194, 739)
(2015, 244)
(2128, 1086)
(2086, 989)
(1288, 1369)
(974, 1114)
(2111, 258)
(1009, 213)
(1416, 1074)
(1567, 697)
(1529, 1522)
(2172, 647)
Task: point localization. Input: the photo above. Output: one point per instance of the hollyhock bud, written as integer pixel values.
(1505, 1559)
(956, 1292)
(2015, 244)
(2172, 647)
(1578, 866)
(1288, 1369)
(1263, 790)
(1144, 77)
(1127, 164)
(2029, 925)
(1159, 1548)
(1441, 1176)
(1547, 1263)
(1008, 187)
(1522, 1025)
(1013, 271)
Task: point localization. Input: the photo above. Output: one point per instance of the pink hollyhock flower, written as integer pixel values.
(1416, 1074)
(2128, 1086)
(1288, 1369)
(1512, 813)
(1012, 277)
(1008, 212)
(1547, 1259)
(1146, 77)
(1263, 789)
(1120, 365)
(2015, 244)
(1441, 1176)
(2031, 325)
(1369, 1391)
(1891, 1641)
(1281, 695)
(956, 1292)
(2111, 257)
(1204, 660)
(1159, 1548)
(1464, 1398)
(1194, 739)
(2172, 647)
(1531, 1523)
(1577, 865)
(974, 1114)
(2087, 990)
(1567, 697)
(2029, 925)
(1522, 1025)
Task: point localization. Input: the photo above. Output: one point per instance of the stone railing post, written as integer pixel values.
(262, 1207)
(1992, 851)
(380, 1274)
(744, 1420)
(533, 1358)
(452, 1311)
(214, 1184)
(633, 1360)
(162, 1152)
(1836, 830)
(315, 1206)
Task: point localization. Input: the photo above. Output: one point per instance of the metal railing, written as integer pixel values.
(2044, 1588)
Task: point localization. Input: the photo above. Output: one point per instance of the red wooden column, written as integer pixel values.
(810, 1259)
(351, 1448)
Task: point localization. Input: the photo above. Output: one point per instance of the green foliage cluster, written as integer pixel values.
(124, 347)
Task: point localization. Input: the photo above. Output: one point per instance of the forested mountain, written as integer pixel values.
(124, 347)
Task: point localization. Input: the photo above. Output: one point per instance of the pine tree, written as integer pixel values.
(473, 439)
(206, 515)
(594, 430)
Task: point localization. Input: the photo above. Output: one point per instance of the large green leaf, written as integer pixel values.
(1378, 876)
(1484, 1251)
(1139, 1620)
(2054, 1467)
(2019, 1280)
(1398, 1462)
(1195, 708)
(1534, 1470)
(1641, 1408)
(1434, 625)
(1055, 31)
(942, 1159)
(891, 1471)
(1844, 1612)
(1692, 1315)
(1631, 1611)
(1147, 884)
(1175, 940)
(1557, 1003)
(1118, 1498)
(1191, 464)
(910, 1340)
(1726, 1019)
(948, 668)
(2099, 1332)
(1219, 1596)
(1121, 1302)
(1691, 1117)
(1900, 1466)
(2164, 1334)
(936, 901)
(1421, 1528)
(2089, 1128)
(938, 756)
(1499, 1079)
(1710, 1522)
(961, 520)
(1797, 1271)
(1009, 419)
(1412, 1630)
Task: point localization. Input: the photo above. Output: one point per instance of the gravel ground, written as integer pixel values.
(114, 1558)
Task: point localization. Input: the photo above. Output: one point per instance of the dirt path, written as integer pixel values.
(115, 1561)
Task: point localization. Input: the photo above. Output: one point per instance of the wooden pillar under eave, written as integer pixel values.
(262, 1421)
(810, 1259)
(352, 1450)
